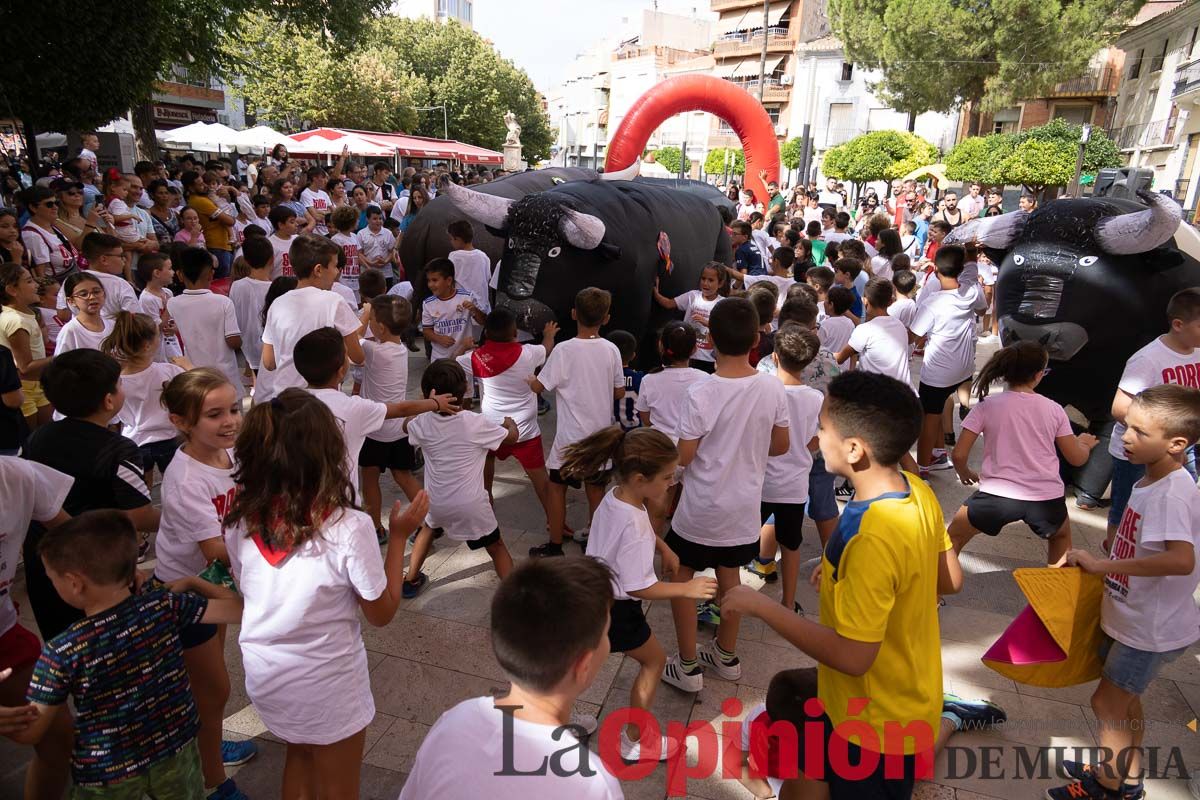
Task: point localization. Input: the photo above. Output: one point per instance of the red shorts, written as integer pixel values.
(528, 453)
(19, 647)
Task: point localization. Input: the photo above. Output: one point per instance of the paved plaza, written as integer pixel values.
(436, 652)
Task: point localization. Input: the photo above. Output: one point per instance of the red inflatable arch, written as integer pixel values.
(731, 103)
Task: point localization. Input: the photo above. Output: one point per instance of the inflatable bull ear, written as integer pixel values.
(998, 233)
(1140, 231)
(489, 209)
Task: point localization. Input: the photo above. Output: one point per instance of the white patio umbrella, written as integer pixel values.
(208, 137)
(260, 137)
(318, 145)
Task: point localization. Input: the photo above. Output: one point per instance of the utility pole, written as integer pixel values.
(1075, 189)
(445, 125)
(762, 64)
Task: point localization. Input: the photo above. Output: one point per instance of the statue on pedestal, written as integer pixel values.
(514, 129)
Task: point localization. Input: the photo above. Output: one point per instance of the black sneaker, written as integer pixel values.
(1079, 770)
(543, 406)
(845, 490)
(974, 713)
(547, 550)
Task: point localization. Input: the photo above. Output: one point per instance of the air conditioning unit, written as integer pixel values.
(786, 80)
(781, 130)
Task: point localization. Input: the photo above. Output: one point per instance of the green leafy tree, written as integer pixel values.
(790, 152)
(458, 68)
(715, 161)
(878, 156)
(86, 72)
(670, 157)
(1036, 158)
(1038, 163)
(979, 158)
(935, 55)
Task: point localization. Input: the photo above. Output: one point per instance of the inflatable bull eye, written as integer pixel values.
(553, 252)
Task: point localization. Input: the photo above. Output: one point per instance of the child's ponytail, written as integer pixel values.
(130, 335)
(183, 396)
(640, 451)
(1016, 365)
(677, 342)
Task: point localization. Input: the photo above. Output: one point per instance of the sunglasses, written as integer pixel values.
(50, 204)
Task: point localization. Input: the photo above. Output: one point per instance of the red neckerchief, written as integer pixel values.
(491, 358)
(276, 554)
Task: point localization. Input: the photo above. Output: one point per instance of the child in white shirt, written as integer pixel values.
(207, 322)
(157, 273)
(456, 448)
(448, 312)
(583, 371)
(107, 259)
(696, 306)
(286, 225)
(835, 330)
(472, 268)
(903, 307)
(309, 306)
(731, 423)
(385, 379)
(249, 294)
(316, 200)
(1148, 614)
(880, 344)
(88, 328)
(344, 219)
(660, 401)
(376, 244)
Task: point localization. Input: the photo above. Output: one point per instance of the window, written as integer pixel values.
(847, 71)
(773, 113)
(1073, 115)
(1156, 64)
(1135, 68)
(1006, 120)
(468, 9)
(443, 8)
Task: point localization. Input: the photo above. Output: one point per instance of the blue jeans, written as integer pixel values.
(1132, 669)
(224, 263)
(1124, 476)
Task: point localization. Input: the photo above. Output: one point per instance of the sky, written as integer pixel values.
(519, 28)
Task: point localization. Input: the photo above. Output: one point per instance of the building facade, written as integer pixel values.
(442, 10)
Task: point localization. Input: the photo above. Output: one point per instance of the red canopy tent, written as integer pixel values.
(408, 146)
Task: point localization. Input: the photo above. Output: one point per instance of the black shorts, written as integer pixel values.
(874, 786)
(989, 513)
(158, 454)
(704, 366)
(627, 629)
(705, 556)
(484, 541)
(789, 522)
(933, 398)
(599, 479)
(196, 634)
(399, 454)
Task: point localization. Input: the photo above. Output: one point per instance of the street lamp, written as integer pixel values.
(1084, 135)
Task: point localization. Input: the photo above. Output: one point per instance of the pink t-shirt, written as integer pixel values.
(1020, 459)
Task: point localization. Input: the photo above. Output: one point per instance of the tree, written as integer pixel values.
(458, 68)
(298, 79)
(878, 156)
(1036, 158)
(717, 163)
(108, 66)
(936, 55)
(790, 152)
(670, 157)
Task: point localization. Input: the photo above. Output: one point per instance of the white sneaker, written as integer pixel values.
(674, 675)
(710, 660)
(632, 751)
(585, 721)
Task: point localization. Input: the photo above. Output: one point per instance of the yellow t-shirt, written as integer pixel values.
(12, 321)
(216, 235)
(879, 584)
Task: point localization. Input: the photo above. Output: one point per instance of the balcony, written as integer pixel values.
(1187, 82)
(746, 43)
(1098, 82)
(729, 5)
(1144, 135)
(774, 89)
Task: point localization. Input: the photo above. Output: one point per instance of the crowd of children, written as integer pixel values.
(781, 375)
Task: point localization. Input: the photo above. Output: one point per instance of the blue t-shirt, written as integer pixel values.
(922, 233)
(125, 669)
(748, 260)
(623, 409)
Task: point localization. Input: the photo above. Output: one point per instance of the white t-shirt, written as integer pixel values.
(463, 758)
(967, 279)
(722, 487)
(882, 346)
(947, 318)
(456, 448)
(764, 244)
(508, 395)
(248, 296)
(143, 415)
(195, 498)
(350, 246)
(623, 538)
(473, 271)
(448, 318)
(318, 201)
(663, 395)
(402, 289)
(385, 380)
(28, 491)
(348, 296)
(695, 312)
(205, 320)
(283, 259)
(881, 267)
(306, 666)
(787, 475)
(583, 373)
(293, 315)
(1153, 365)
(154, 306)
(45, 247)
(127, 231)
(1157, 614)
(903, 309)
(358, 417)
(376, 246)
(118, 295)
(834, 333)
(74, 336)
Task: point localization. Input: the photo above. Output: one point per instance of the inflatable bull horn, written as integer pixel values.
(582, 230)
(627, 174)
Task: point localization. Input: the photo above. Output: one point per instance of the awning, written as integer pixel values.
(747, 68)
(409, 146)
(750, 19)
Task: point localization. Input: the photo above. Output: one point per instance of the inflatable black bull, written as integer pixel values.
(1090, 280)
(617, 235)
